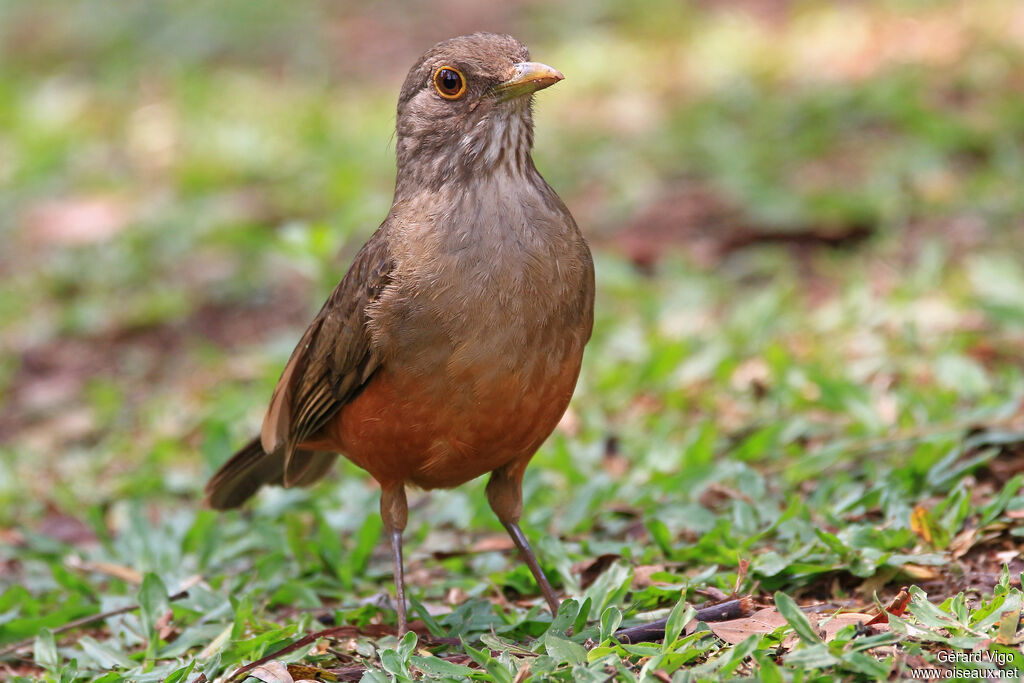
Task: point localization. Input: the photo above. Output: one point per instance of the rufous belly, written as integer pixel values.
(441, 434)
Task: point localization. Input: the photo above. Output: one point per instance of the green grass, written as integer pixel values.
(813, 427)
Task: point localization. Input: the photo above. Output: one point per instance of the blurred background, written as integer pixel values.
(807, 218)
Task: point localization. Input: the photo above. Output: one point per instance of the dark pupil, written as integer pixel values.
(449, 80)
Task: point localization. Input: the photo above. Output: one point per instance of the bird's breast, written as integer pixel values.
(480, 336)
(494, 287)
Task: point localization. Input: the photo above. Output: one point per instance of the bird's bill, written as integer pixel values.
(527, 78)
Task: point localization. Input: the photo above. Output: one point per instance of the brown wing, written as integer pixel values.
(332, 361)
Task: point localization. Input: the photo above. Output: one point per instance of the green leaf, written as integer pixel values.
(153, 602)
(678, 618)
(328, 548)
(182, 674)
(481, 657)
(832, 541)
(812, 657)
(366, 540)
(392, 662)
(867, 665)
(738, 653)
(103, 655)
(375, 676)
(661, 535)
(770, 564)
(44, 651)
(768, 671)
(565, 617)
(563, 650)
(796, 618)
(610, 620)
(991, 511)
(407, 645)
(428, 620)
(927, 613)
(436, 666)
(610, 586)
(580, 622)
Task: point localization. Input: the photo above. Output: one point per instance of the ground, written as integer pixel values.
(805, 387)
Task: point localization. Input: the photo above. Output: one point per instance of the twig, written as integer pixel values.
(733, 609)
(334, 631)
(13, 647)
(305, 640)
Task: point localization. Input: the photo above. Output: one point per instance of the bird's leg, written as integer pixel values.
(395, 512)
(505, 494)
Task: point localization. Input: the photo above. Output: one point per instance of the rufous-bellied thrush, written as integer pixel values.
(452, 345)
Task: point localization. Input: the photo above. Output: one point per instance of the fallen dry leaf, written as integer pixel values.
(735, 631)
(523, 673)
(920, 572)
(272, 672)
(642, 575)
(768, 619)
(897, 606)
(305, 672)
(963, 542)
(128, 574)
(589, 571)
(66, 529)
(840, 621)
(492, 543)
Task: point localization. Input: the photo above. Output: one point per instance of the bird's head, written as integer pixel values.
(465, 110)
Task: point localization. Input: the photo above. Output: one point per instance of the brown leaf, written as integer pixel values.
(642, 575)
(272, 672)
(741, 575)
(735, 631)
(591, 570)
(305, 672)
(920, 572)
(963, 542)
(66, 529)
(126, 574)
(164, 626)
(716, 594)
(492, 543)
(523, 673)
(896, 606)
(487, 544)
(455, 596)
(844, 619)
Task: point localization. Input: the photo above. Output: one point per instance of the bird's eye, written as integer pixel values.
(449, 83)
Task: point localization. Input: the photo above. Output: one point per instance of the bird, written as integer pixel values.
(451, 347)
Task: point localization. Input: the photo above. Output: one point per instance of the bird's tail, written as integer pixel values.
(250, 468)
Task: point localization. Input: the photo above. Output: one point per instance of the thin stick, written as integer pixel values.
(305, 640)
(13, 647)
(655, 630)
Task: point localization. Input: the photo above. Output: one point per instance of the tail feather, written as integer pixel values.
(251, 467)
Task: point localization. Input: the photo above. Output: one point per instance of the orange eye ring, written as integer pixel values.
(449, 82)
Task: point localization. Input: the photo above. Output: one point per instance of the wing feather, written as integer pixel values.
(332, 362)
